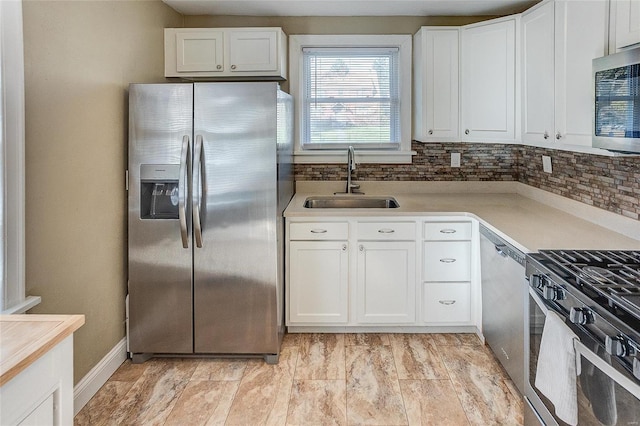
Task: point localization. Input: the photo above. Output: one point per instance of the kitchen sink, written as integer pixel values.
(351, 202)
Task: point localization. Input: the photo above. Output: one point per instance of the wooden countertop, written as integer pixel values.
(25, 338)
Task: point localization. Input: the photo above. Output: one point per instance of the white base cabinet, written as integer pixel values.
(386, 282)
(320, 270)
(381, 274)
(446, 302)
(42, 394)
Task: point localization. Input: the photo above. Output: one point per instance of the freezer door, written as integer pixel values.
(160, 267)
(235, 213)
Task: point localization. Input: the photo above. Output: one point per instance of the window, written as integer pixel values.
(351, 98)
(12, 284)
(352, 90)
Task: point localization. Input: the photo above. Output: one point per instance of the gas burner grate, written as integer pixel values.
(614, 275)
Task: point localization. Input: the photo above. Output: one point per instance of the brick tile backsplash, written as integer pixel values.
(610, 183)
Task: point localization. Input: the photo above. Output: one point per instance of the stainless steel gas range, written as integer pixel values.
(597, 293)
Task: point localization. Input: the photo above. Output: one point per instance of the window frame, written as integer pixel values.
(403, 43)
(12, 97)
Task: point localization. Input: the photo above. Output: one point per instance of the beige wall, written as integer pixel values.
(80, 57)
(333, 24)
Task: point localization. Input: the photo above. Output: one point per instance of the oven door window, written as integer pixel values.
(602, 401)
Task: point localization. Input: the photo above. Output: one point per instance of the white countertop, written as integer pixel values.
(528, 224)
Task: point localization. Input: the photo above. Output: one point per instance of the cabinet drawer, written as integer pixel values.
(380, 231)
(319, 231)
(447, 231)
(446, 302)
(447, 261)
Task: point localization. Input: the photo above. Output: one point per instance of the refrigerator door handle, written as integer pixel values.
(197, 192)
(182, 185)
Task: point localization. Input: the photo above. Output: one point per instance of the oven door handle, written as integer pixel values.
(607, 369)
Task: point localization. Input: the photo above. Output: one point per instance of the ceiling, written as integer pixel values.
(350, 7)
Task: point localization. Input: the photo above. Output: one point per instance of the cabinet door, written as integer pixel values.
(386, 282)
(436, 84)
(538, 74)
(198, 51)
(253, 50)
(581, 29)
(318, 282)
(627, 24)
(488, 81)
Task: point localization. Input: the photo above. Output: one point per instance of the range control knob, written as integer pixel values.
(636, 368)
(581, 316)
(537, 281)
(552, 292)
(618, 346)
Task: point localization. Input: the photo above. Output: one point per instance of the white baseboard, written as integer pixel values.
(98, 376)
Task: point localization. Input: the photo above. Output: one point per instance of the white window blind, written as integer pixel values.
(351, 97)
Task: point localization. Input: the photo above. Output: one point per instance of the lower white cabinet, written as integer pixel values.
(380, 273)
(446, 261)
(320, 272)
(446, 302)
(386, 282)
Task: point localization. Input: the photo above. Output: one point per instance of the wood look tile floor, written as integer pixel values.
(321, 379)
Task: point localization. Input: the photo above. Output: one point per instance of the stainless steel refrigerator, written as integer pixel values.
(209, 176)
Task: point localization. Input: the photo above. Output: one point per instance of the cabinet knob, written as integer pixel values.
(447, 260)
(219, 67)
(558, 136)
(466, 132)
(344, 247)
(361, 247)
(430, 131)
(233, 67)
(546, 135)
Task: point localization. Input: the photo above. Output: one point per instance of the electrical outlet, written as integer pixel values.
(455, 159)
(546, 164)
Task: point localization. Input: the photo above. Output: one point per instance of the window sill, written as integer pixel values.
(340, 157)
(22, 307)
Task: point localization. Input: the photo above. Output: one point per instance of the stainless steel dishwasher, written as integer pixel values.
(504, 291)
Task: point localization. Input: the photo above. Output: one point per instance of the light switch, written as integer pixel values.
(546, 164)
(455, 159)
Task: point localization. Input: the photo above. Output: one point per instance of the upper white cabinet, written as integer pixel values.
(488, 80)
(559, 41)
(225, 52)
(627, 23)
(538, 110)
(436, 82)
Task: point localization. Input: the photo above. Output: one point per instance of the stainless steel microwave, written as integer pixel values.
(616, 113)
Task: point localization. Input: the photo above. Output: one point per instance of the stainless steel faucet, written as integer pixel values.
(351, 166)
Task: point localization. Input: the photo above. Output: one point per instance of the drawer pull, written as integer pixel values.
(448, 231)
(447, 260)
(446, 302)
(386, 231)
(318, 231)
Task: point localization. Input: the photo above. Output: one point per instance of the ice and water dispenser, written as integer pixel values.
(159, 191)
